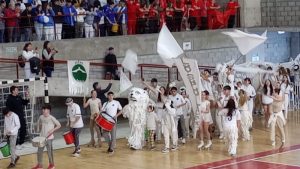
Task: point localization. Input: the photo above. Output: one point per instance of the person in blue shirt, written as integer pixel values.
(110, 18)
(101, 21)
(49, 26)
(69, 12)
(121, 17)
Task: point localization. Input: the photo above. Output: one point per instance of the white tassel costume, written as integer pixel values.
(136, 111)
(246, 121)
(231, 129)
(168, 125)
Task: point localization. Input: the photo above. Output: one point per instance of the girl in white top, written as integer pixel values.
(245, 115)
(162, 96)
(206, 120)
(151, 125)
(206, 80)
(27, 54)
(231, 123)
(267, 100)
(286, 89)
(230, 80)
(251, 93)
(95, 107)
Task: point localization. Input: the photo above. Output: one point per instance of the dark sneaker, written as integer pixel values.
(11, 165)
(17, 159)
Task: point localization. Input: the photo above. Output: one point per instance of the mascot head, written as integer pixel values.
(138, 95)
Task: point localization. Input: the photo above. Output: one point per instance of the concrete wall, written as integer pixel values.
(280, 13)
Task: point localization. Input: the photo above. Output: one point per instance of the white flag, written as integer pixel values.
(246, 41)
(130, 62)
(125, 83)
(167, 46)
(78, 74)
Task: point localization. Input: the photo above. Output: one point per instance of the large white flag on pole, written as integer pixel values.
(167, 46)
(125, 83)
(130, 61)
(246, 41)
(78, 74)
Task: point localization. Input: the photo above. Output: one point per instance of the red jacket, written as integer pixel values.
(231, 6)
(11, 19)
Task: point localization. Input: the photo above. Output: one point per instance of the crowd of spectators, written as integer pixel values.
(66, 19)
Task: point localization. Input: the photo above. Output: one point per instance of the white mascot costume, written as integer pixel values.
(136, 112)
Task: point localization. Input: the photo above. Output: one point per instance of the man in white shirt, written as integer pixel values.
(75, 122)
(112, 109)
(11, 128)
(178, 103)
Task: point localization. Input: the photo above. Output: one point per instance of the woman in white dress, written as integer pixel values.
(27, 54)
(267, 98)
(286, 89)
(206, 120)
(246, 119)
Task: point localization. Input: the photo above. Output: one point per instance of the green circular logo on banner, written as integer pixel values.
(79, 72)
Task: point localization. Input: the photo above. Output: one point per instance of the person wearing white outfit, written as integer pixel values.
(267, 98)
(151, 122)
(230, 80)
(277, 118)
(245, 115)
(286, 89)
(206, 120)
(187, 110)
(169, 127)
(231, 120)
(88, 23)
(251, 93)
(49, 26)
(206, 80)
(222, 102)
(27, 54)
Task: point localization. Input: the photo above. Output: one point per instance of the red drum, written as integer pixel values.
(104, 123)
(69, 137)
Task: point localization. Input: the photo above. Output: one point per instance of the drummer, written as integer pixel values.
(113, 109)
(46, 125)
(11, 128)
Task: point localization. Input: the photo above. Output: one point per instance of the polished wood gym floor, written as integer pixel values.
(257, 153)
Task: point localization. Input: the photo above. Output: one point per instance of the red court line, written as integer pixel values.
(258, 164)
(246, 157)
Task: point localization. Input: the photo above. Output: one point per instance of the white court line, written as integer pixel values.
(254, 159)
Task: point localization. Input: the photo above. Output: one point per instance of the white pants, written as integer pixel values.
(219, 120)
(167, 132)
(58, 30)
(89, 31)
(245, 124)
(231, 136)
(28, 73)
(187, 125)
(38, 30)
(286, 105)
(280, 123)
(158, 131)
(49, 32)
(250, 108)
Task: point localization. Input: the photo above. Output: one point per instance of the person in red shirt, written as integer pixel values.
(178, 14)
(153, 18)
(195, 13)
(170, 17)
(162, 12)
(11, 22)
(232, 7)
(141, 21)
(203, 14)
(132, 8)
(211, 13)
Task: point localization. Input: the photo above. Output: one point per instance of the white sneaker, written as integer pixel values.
(221, 136)
(273, 143)
(208, 145)
(183, 141)
(76, 154)
(165, 150)
(201, 144)
(174, 148)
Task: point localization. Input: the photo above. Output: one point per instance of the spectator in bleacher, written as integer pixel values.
(132, 8)
(162, 5)
(153, 18)
(81, 14)
(27, 23)
(35, 3)
(195, 14)
(122, 17)
(11, 22)
(211, 13)
(203, 15)
(69, 20)
(142, 19)
(88, 23)
(232, 7)
(85, 5)
(49, 26)
(22, 5)
(48, 57)
(38, 23)
(2, 21)
(18, 28)
(111, 58)
(58, 19)
(101, 22)
(111, 18)
(170, 17)
(27, 54)
(178, 14)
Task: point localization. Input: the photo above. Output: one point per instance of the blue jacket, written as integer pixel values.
(110, 15)
(50, 14)
(68, 19)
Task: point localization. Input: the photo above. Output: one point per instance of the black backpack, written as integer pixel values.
(21, 61)
(35, 65)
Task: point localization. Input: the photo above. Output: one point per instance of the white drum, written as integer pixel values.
(39, 142)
